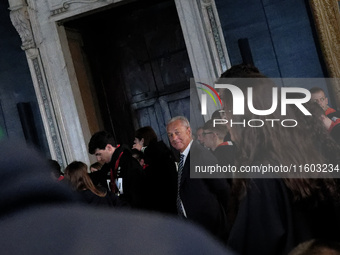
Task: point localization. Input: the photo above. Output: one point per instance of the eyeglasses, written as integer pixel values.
(207, 133)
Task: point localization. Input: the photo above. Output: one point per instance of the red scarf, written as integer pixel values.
(334, 123)
(329, 111)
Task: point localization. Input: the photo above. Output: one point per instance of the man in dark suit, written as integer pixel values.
(203, 201)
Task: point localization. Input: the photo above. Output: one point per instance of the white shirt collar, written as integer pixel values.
(186, 151)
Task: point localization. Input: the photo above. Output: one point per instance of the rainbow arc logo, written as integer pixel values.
(204, 97)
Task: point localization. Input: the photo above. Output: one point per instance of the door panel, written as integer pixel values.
(140, 66)
(156, 113)
(136, 69)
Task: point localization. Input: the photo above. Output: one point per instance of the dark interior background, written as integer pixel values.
(139, 64)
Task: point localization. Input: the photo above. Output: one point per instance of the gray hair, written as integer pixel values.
(183, 119)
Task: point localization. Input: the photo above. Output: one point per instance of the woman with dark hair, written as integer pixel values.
(76, 173)
(273, 215)
(143, 137)
(160, 169)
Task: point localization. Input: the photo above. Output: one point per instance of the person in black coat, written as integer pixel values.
(125, 174)
(203, 201)
(160, 184)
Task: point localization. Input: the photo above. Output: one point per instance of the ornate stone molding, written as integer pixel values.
(205, 44)
(45, 99)
(326, 15)
(217, 37)
(66, 5)
(22, 24)
(21, 21)
(213, 28)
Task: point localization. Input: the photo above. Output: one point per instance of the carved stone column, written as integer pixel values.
(215, 35)
(21, 21)
(205, 42)
(326, 15)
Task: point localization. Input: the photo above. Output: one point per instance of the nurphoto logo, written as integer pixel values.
(238, 100)
(239, 105)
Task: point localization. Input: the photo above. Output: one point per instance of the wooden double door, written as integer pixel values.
(139, 66)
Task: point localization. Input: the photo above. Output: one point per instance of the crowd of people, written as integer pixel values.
(277, 215)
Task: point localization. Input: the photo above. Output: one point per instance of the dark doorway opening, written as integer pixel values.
(138, 65)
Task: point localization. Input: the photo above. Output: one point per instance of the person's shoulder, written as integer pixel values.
(122, 151)
(100, 173)
(199, 153)
(124, 148)
(125, 158)
(197, 148)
